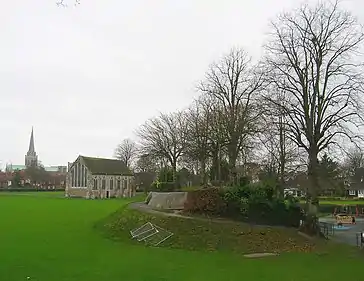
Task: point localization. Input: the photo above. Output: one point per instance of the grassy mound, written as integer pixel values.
(199, 235)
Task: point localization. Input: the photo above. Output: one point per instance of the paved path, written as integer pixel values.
(141, 206)
(347, 236)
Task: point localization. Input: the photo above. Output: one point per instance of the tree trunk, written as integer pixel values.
(311, 222)
(282, 156)
(203, 179)
(219, 165)
(233, 155)
(174, 172)
(312, 196)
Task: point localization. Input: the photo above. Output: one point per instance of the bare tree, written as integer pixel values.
(279, 152)
(61, 3)
(146, 163)
(126, 151)
(311, 60)
(165, 137)
(234, 82)
(354, 159)
(199, 124)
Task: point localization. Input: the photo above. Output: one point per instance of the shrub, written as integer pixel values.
(236, 200)
(163, 186)
(275, 213)
(256, 203)
(205, 201)
(244, 181)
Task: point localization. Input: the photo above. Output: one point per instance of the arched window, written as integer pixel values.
(78, 174)
(95, 185)
(85, 175)
(72, 179)
(82, 184)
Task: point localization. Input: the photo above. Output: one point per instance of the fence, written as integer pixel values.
(327, 229)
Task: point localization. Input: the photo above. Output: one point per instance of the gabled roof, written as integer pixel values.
(356, 186)
(102, 166)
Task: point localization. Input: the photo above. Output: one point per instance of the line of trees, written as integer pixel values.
(301, 99)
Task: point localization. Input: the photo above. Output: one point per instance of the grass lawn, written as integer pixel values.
(342, 202)
(50, 238)
(339, 202)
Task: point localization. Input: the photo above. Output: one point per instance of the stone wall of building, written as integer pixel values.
(122, 186)
(76, 192)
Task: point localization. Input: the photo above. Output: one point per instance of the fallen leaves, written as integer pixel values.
(210, 236)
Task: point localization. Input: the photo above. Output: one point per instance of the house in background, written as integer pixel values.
(296, 185)
(5, 180)
(356, 190)
(355, 185)
(90, 177)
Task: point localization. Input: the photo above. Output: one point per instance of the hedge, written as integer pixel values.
(20, 189)
(205, 201)
(241, 205)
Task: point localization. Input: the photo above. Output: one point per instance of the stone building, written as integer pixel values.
(90, 177)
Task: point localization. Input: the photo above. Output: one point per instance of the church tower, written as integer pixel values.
(31, 159)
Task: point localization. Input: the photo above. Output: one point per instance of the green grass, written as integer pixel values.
(339, 202)
(50, 238)
(225, 236)
(342, 202)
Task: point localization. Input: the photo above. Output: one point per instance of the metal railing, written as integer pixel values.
(360, 239)
(327, 229)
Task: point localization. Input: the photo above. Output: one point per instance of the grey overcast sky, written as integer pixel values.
(86, 77)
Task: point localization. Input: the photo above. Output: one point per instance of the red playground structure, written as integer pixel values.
(349, 210)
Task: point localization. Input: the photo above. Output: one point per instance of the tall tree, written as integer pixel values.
(330, 177)
(199, 125)
(165, 137)
(311, 59)
(234, 83)
(279, 153)
(37, 174)
(354, 159)
(126, 152)
(146, 163)
(16, 181)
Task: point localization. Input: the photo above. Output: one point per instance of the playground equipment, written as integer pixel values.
(344, 219)
(345, 214)
(349, 210)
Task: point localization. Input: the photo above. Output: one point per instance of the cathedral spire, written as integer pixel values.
(31, 150)
(31, 158)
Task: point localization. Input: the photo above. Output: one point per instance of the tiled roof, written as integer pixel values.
(102, 166)
(356, 186)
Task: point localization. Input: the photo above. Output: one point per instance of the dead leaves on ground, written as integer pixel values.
(211, 236)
